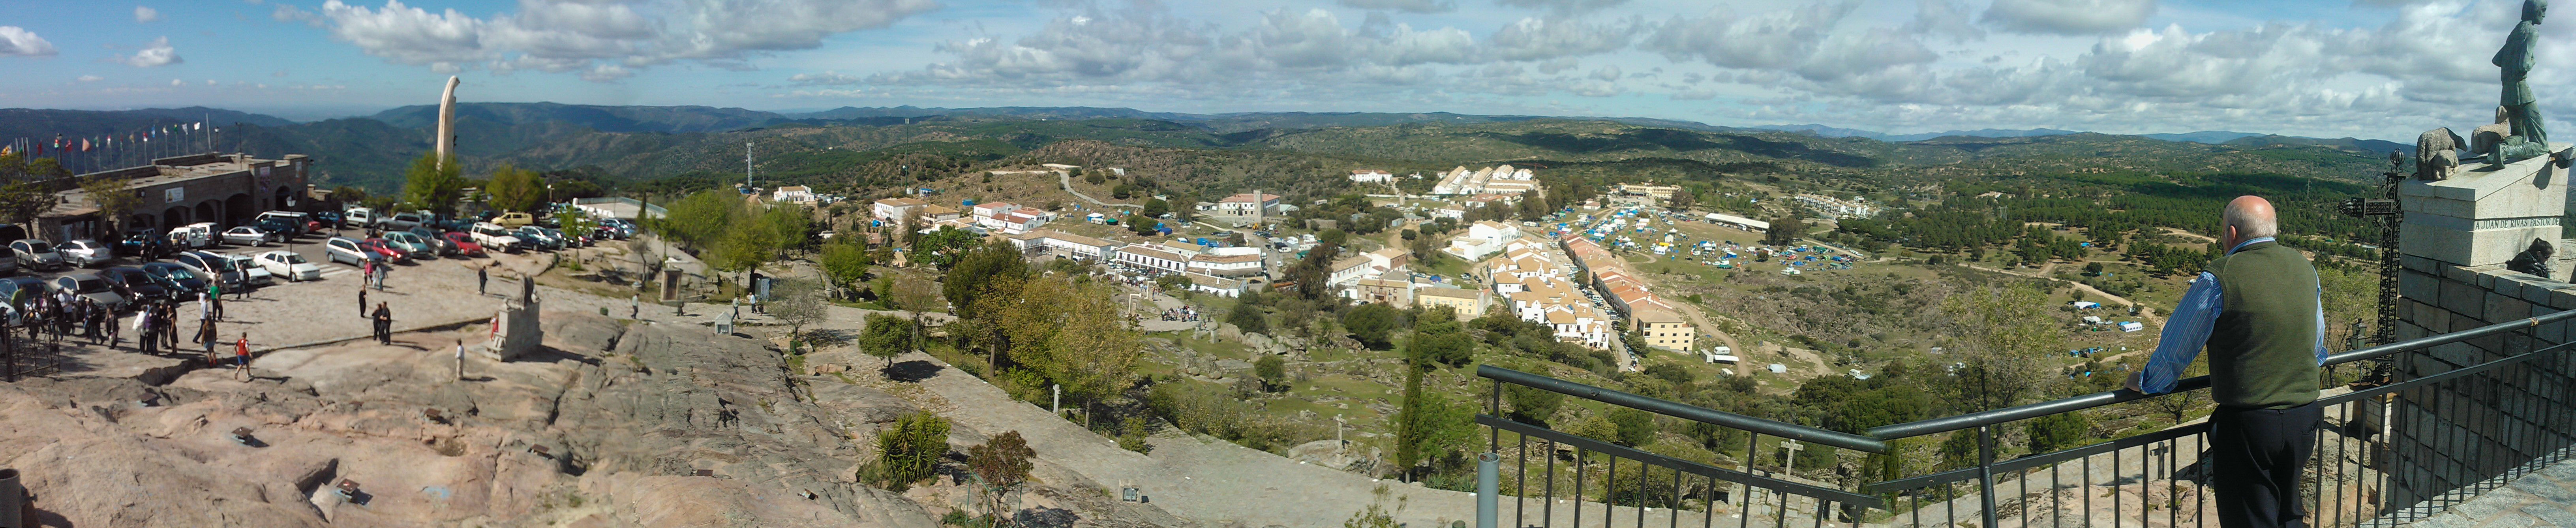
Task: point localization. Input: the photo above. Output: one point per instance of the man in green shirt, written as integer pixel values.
(2257, 312)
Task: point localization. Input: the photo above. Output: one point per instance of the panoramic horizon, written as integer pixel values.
(2377, 69)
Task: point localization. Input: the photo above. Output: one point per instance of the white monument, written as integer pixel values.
(447, 123)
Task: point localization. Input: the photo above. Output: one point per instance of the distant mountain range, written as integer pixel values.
(372, 150)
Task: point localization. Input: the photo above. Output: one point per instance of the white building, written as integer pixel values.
(1483, 238)
(1228, 262)
(892, 210)
(1371, 176)
(795, 194)
(1247, 204)
(1154, 258)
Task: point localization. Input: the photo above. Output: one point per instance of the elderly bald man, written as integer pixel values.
(2257, 312)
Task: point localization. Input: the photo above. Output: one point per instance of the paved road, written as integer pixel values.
(1066, 178)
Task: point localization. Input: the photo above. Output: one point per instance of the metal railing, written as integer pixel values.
(2490, 410)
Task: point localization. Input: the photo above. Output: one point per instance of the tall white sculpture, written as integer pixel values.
(447, 123)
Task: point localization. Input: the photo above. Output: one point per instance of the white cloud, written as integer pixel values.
(825, 78)
(2069, 17)
(210, 82)
(146, 15)
(17, 41)
(1542, 38)
(90, 78)
(176, 82)
(1408, 6)
(1606, 73)
(602, 39)
(159, 53)
(1563, 6)
(1771, 39)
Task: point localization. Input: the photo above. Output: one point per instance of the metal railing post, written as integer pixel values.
(1488, 485)
(1986, 471)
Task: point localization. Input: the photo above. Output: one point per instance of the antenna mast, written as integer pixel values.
(746, 165)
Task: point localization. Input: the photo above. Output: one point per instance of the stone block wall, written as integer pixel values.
(2465, 430)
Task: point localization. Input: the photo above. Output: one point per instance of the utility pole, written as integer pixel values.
(746, 166)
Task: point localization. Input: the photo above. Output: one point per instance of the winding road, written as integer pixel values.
(1065, 178)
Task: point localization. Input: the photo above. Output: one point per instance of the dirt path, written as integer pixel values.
(1066, 179)
(2086, 288)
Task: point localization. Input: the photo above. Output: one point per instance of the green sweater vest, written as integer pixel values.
(2262, 350)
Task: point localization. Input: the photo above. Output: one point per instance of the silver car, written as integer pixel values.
(89, 286)
(36, 253)
(85, 253)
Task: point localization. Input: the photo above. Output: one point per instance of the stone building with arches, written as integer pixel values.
(227, 189)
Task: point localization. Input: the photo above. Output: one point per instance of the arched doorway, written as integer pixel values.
(238, 209)
(206, 212)
(285, 200)
(141, 220)
(174, 217)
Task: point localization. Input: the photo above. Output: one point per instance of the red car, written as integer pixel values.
(464, 243)
(381, 247)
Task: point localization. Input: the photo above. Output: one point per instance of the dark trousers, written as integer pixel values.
(2256, 456)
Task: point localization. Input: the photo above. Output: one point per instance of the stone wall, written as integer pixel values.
(2457, 237)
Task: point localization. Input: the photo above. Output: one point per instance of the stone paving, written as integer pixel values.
(2546, 497)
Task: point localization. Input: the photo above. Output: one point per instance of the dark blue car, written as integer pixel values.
(183, 282)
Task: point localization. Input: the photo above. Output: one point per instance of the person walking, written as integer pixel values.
(384, 320)
(214, 298)
(482, 276)
(362, 300)
(460, 360)
(635, 307)
(207, 337)
(206, 303)
(366, 277)
(382, 273)
(2257, 312)
(144, 340)
(241, 356)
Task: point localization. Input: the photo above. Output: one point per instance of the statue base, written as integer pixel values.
(515, 333)
(2486, 213)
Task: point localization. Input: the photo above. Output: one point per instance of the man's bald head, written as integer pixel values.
(2250, 217)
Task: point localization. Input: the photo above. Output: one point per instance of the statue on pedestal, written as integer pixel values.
(2522, 114)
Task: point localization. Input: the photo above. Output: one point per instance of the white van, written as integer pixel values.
(493, 237)
(360, 217)
(194, 236)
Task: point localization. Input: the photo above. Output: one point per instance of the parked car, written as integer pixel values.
(349, 250)
(280, 230)
(362, 217)
(382, 247)
(135, 284)
(402, 221)
(90, 286)
(493, 237)
(329, 219)
(144, 242)
(411, 243)
(289, 264)
(11, 286)
(212, 266)
(194, 236)
(182, 282)
(464, 244)
(296, 222)
(246, 236)
(437, 241)
(253, 274)
(35, 254)
(536, 237)
(514, 219)
(84, 253)
(619, 228)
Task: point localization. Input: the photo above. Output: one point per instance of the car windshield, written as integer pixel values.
(180, 273)
(39, 247)
(291, 258)
(90, 285)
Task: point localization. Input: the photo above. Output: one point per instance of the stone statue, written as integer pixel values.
(2522, 112)
(2533, 260)
(2437, 154)
(447, 123)
(2484, 138)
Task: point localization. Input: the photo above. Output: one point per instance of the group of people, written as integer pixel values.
(1181, 314)
(65, 315)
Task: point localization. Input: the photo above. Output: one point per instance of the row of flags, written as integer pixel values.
(60, 145)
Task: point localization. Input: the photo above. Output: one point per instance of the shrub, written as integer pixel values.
(908, 452)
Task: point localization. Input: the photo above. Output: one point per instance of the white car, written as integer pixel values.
(290, 265)
(252, 271)
(493, 237)
(245, 236)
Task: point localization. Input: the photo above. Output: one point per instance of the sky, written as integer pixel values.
(2385, 69)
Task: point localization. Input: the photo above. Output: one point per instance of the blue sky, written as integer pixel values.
(2373, 68)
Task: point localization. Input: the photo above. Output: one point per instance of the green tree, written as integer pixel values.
(1334, 237)
(944, 248)
(1636, 428)
(1373, 325)
(1142, 225)
(845, 263)
(979, 268)
(2058, 431)
(1156, 208)
(2009, 329)
(791, 227)
(429, 185)
(1001, 465)
(701, 221)
(1272, 370)
(111, 197)
(1429, 425)
(1173, 283)
(515, 189)
(1247, 316)
(886, 336)
(798, 302)
(1532, 405)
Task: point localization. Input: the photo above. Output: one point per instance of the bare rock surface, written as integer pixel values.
(627, 433)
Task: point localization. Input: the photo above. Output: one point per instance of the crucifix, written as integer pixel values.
(1789, 449)
(1337, 433)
